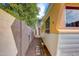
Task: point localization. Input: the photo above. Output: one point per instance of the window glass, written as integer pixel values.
(72, 16)
(47, 25)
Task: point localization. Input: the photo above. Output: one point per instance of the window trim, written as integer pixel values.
(61, 23)
(73, 24)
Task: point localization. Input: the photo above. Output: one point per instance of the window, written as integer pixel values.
(47, 25)
(72, 16)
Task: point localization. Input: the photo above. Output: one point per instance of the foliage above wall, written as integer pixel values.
(24, 11)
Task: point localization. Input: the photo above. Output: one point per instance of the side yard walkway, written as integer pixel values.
(34, 48)
(37, 49)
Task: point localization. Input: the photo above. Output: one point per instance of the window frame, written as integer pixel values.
(73, 24)
(61, 21)
(47, 25)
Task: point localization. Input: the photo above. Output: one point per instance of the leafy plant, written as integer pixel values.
(23, 11)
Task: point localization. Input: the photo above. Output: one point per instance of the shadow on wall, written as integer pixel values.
(23, 35)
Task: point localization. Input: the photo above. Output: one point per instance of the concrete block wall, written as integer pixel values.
(23, 36)
(15, 35)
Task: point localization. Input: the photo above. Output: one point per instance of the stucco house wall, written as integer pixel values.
(7, 42)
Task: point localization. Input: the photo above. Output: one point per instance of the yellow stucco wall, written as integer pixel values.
(53, 13)
(57, 18)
